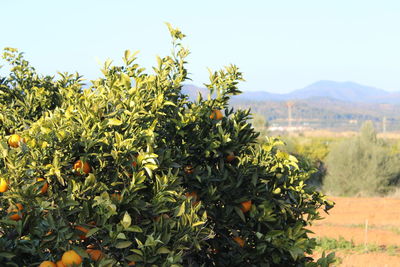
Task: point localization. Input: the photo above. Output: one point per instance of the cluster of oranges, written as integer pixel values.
(69, 258)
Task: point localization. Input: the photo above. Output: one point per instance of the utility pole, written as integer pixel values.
(289, 105)
(384, 124)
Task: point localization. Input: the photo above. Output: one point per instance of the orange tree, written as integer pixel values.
(130, 172)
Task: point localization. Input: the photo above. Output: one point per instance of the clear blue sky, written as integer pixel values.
(279, 45)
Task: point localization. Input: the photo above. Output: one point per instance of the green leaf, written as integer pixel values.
(123, 244)
(92, 231)
(181, 210)
(126, 220)
(114, 122)
(163, 250)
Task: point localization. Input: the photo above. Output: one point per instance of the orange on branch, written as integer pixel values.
(80, 166)
(246, 206)
(231, 157)
(239, 241)
(3, 185)
(216, 114)
(194, 197)
(47, 264)
(60, 264)
(189, 169)
(95, 254)
(44, 188)
(70, 257)
(14, 140)
(83, 230)
(15, 216)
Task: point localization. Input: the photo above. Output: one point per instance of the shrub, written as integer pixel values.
(135, 170)
(363, 165)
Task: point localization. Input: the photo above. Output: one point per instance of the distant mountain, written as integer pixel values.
(193, 91)
(343, 91)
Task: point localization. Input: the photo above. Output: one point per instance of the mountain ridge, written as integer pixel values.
(344, 91)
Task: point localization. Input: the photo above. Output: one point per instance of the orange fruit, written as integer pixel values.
(16, 216)
(189, 169)
(47, 264)
(134, 164)
(70, 257)
(44, 188)
(216, 114)
(116, 196)
(95, 254)
(14, 140)
(80, 166)
(246, 206)
(239, 240)
(3, 185)
(83, 230)
(60, 264)
(132, 263)
(231, 157)
(194, 197)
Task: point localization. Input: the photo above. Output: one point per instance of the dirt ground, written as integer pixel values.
(373, 221)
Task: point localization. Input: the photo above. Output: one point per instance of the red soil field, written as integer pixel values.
(348, 219)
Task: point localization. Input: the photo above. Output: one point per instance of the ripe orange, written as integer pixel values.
(95, 254)
(231, 157)
(44, 188)
(70, 257)
(216, 114)
(246, 206)
(14, 140)
(3, 185)
(81, 166)
(83, 230)
(132, 263)
(60, 264)
(16, 216)
(239, 240)
(47, 264)
(189, 169)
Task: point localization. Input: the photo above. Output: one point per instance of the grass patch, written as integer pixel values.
(331, 244)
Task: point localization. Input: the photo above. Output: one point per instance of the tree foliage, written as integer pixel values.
(134, 169)
(363, 165)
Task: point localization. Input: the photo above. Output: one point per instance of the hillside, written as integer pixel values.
(323, 105)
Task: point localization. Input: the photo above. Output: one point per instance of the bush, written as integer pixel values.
(131, 171)
(311, 153)
(363, 165)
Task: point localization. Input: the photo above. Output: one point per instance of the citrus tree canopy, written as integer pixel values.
(129, 172)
